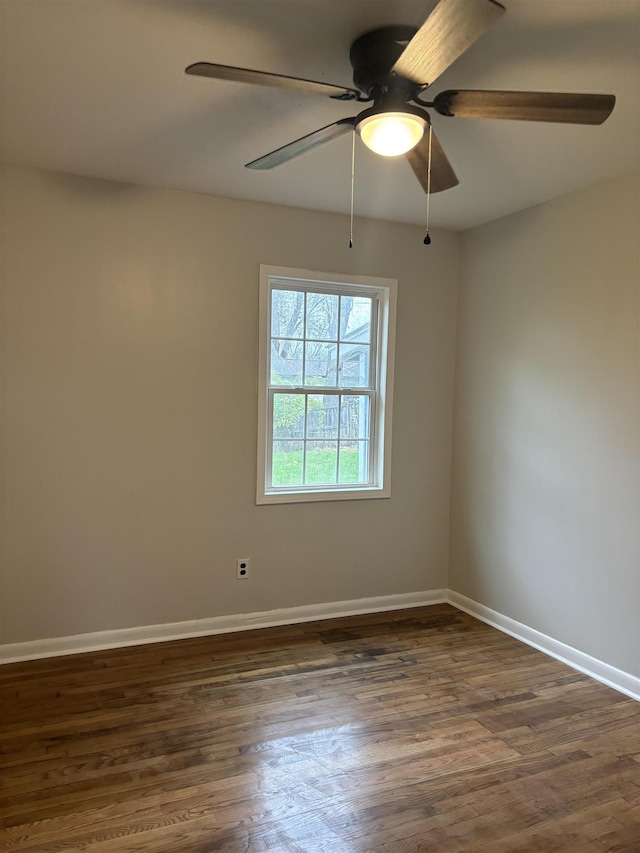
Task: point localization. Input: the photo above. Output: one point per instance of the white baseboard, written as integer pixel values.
(35, 649)
(604, 672)
(56, 646)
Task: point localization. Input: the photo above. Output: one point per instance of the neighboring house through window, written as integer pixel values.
(325, 386)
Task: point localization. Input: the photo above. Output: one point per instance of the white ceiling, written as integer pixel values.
(97, 87)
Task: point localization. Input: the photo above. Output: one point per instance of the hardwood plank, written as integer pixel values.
(386, 733)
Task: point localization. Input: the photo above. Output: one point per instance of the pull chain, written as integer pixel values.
(427, 238)
(353, 174)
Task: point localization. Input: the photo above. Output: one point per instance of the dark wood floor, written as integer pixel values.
(391, 733)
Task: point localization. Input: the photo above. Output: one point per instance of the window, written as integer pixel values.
(325, 386)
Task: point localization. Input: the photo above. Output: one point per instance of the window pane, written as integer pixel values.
(321, 462)
(286, 469)
(320, 365)
(288, 416)
(353, 366)
(355, 318)
(322, 415)
(287, 314)
(354, 416)
(354, 462)
(322, 316)
(286, 363)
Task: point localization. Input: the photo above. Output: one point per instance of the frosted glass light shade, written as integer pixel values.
(391, 134)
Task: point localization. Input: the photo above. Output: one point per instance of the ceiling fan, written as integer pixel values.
(392, 67)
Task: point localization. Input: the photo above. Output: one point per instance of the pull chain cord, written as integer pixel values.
(353, 174)
(427, 238)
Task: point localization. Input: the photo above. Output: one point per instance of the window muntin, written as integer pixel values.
(324, 389)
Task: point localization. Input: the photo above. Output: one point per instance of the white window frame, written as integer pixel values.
(384, 291)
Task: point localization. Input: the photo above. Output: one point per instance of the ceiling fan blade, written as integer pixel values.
(526, 106)
(442, 175)
(279, 81)
(451, 28)
(305, 143)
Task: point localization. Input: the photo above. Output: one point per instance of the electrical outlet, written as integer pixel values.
(242, 568)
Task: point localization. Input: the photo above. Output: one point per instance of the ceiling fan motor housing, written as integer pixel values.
(372, 57)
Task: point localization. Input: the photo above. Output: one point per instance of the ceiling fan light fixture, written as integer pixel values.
(391, 133)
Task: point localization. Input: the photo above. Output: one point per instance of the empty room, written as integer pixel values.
(320, 418)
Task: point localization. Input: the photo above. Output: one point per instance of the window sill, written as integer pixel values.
(315, 496)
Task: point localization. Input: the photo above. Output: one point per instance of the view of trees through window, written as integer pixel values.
(321, 362)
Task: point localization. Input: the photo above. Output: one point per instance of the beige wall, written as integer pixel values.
(129, 370)
(545, 507)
